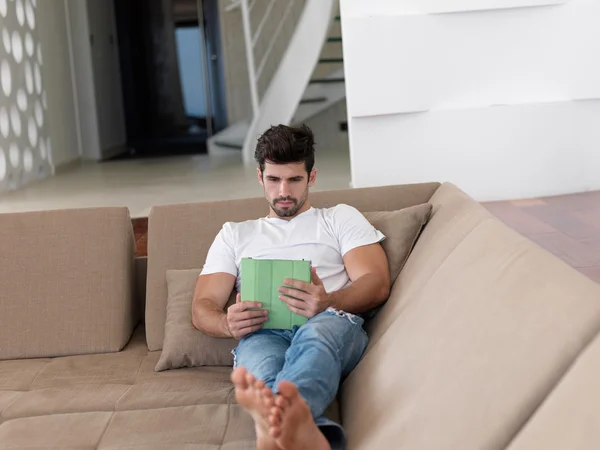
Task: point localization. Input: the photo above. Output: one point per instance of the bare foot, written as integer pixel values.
(258, 400)
(291, 423)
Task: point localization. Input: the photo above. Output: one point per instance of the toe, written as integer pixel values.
(288, 390)
(275, 431)
(250, 380)
(267, 396)
(281, 402)
(238, 377)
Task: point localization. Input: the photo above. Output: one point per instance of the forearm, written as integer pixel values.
(367, 292)
(210, 319)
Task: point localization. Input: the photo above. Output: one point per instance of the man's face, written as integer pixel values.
(286, 187)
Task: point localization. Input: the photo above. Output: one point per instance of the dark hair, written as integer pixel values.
(282, 145)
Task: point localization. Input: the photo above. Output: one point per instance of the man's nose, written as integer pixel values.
(284, 189)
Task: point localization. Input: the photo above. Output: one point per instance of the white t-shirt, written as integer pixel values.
(322, 236)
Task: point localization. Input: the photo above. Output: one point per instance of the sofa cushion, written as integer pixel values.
(184, 345)
(117, 400)
(569, 417)
(72, 431)
(19, 374)
(401, 229)
(67, 282)
(179, 236)
(184, 408)
(473, 349)
(65, 400)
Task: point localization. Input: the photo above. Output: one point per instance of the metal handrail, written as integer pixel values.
(251, 39)
(262, 23)
(264, 59)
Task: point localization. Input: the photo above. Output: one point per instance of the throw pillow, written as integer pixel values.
(184, 345)
(402, 229)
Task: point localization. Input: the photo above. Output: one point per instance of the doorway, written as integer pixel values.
(171, 67)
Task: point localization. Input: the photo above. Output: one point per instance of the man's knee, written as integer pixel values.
(261, 356)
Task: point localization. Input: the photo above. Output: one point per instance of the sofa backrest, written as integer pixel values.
(179, 236)
(480, 325)
(66, 282)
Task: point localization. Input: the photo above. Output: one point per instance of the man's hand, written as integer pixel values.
(241, 321)
(305, 299)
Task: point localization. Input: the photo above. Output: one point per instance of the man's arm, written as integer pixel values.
(210, 297)
(368, 269)
(208, 315)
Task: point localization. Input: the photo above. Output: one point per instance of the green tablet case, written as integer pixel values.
(261, 280)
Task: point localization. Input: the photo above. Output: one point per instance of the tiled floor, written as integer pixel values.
(566, 225)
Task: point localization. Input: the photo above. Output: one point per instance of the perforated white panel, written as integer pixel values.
(25, 147)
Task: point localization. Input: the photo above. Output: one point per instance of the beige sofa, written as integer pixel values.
(487, 341)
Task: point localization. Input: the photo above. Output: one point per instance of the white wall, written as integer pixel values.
(59, 82)
(499, 97)
(97, 78)
(107, 77)
(84, 79)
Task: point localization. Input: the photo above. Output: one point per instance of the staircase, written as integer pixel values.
(308, 80)
(327, 84)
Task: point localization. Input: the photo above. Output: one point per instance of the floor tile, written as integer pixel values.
(518, 219)
(568, 249)
(565, 221)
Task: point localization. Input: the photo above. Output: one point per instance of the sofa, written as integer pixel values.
(486, 342)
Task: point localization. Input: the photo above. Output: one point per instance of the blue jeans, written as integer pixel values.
(315, 357)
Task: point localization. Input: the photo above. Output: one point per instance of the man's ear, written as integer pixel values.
(312, 177)
(260, 176)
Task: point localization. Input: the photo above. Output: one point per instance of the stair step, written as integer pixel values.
(331, 60)
(327, 80)
(313, 100)
(334, 39)
(228, 145)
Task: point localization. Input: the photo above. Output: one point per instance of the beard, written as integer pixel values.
(288, 211)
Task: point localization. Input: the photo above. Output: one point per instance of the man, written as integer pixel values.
(287, 378)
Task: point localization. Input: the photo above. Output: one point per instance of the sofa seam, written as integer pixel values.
(115, 411)
(37, 375)
(115, 405)
(552, 388)
(21, 393)
(137, 372)
(228, 418)
(112, 415)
